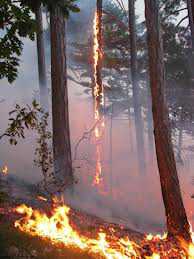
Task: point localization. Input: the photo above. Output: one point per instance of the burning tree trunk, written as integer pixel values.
(177, 222)
(61, 131)
(41, 58)
(135, 86)
(98, 50)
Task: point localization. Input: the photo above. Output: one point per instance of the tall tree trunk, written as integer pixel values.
(190, 57)
(192, 8)
(149, 120)
(41, 58)
(191, 19)
(99, 38)
(177, 222)
(60, 113)
(135, 86)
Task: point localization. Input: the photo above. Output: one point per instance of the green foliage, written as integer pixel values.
(15, 23)
(32, 118)
(21, 119)
(66, 6)
(43, 153)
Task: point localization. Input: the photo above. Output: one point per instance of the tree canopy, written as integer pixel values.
(17, 22)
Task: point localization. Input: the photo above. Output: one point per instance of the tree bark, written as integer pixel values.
(191, 19)
(99, 38)
(135, 87)
(192, 8)
(177, 223)
(41, 59)
(60, 113)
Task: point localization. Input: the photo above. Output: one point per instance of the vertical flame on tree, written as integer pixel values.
(98, 93)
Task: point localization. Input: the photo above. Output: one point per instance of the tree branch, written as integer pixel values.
(184, 18)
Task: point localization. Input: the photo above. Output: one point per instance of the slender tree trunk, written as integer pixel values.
(190, 57)
(99, 38)
(177, 222)
(41, 59)
(135, 87)
(191, 20)
(192, 8)
(149, 120)
(60, 113)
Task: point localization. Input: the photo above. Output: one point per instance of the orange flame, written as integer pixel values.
(58, 229)
(97, 53)
(98, 92)
(4, 170)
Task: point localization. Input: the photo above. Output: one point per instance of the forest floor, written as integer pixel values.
(17, 244)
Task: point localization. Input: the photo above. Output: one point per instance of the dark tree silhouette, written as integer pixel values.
(177, 223)
(60, 113)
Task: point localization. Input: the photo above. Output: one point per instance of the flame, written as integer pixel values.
(98, 176)
(4, 170)
(58, 229)
(156, 237)
(98, 93)
(97, 55)
(191, 251)
(154, 256)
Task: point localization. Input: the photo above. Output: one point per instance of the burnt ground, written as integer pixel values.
(16, 244)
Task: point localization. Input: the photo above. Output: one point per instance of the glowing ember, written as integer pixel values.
(154, 256)
(156, 237)
(4, 171)
(41, 198)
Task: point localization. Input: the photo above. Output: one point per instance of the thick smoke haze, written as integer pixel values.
(125, 195)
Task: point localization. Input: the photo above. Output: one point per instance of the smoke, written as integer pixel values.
(125, 196)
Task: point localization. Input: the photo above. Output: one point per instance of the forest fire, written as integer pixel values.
(98, 93)
(58, 229)
(97, 55)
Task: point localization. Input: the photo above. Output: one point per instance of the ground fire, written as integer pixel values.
(58, 229)
(125, 69)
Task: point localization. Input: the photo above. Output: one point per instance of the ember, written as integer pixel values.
(4, 171)
(41, 198)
